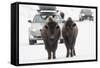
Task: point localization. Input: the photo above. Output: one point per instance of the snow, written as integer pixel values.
(85, 47)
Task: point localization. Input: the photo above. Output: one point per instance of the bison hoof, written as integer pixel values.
(71, 55)
(74, 54)
(49, 58)
(54, 57)
(67, 56)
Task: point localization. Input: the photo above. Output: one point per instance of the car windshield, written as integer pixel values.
(42, 18)
(38, 19)
(86, 12)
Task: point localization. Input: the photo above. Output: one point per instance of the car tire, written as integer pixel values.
(91, 18)
(32, 42)
(81, 19)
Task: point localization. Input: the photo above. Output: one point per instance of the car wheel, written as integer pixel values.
(32, 42)
(81, 19)
(91, 18)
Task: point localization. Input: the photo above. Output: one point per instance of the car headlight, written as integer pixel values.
(83, 14)
(30, 36)
(33, 30)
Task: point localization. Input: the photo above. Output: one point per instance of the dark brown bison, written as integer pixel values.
(50, 34)
(69, 33)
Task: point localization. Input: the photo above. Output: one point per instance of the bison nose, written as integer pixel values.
(52, 37)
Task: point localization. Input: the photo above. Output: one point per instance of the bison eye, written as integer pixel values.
(57, 27)
(46, 27)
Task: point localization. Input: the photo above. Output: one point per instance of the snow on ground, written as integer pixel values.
(85, 47)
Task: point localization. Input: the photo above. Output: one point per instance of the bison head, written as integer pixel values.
(52, 28)
(69, 23)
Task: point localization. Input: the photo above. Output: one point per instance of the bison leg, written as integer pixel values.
(54, 50)
(49, 54)
(74, 46)
(67, 52)
(54, 57)
(74, 52)
(67, 47)
(71, 52)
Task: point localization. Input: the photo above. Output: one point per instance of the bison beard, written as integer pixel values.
(50, 34)
(69, 33)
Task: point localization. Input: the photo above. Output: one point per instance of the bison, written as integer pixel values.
(69, 33)
(50, 34)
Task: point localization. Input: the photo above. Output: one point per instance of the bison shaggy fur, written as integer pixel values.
(50, 34)
(69, 33)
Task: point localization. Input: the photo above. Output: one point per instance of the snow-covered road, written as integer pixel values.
(85, 47)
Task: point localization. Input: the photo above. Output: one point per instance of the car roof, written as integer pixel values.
(48, 13)
(47, 7)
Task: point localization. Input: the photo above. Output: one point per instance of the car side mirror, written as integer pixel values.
(29, 21)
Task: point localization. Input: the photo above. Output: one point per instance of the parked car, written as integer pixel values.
(39, 21)
(86, 14)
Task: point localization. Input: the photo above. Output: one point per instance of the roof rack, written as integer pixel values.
(47, 7)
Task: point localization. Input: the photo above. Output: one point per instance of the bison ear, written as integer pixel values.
(73, 25)
(46, 26)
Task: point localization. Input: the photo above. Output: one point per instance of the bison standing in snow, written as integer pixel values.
(50, 34)
(69, 33)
